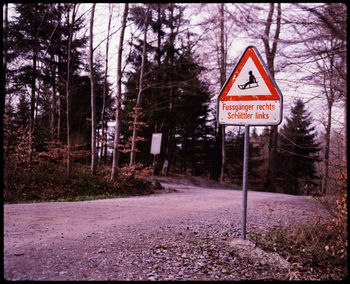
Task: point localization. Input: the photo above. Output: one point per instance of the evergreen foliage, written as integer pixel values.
(38, 34)
(235, 153)
(175, 101)
(298, 151)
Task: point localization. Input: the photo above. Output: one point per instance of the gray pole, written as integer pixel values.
(154, 161)
(245, 180)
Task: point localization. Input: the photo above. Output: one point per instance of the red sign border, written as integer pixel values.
(271, 85)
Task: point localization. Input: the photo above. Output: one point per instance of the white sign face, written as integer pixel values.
(250, 96)
(249, 112)
(156, 142)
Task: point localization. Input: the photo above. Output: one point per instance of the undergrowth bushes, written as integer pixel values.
(53, 186)
(41, 176)
(319, 249)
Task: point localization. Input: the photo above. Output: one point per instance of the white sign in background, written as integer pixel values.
(156, 142)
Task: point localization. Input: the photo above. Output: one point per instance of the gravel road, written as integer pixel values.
(183, 235)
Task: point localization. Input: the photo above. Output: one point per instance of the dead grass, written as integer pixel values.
(318, 251)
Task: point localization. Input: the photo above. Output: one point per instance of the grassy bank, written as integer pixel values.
(82, 185)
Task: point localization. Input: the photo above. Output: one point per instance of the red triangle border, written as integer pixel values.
(274, 96)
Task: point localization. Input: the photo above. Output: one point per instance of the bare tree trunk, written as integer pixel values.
(343, 69)
(59, 104)
(139, 95)
(32, 98)
(345, 130)
(59, 88)
(327, 147)
(53, 101)
(330, 95)
(32, 106)
(68, 172)
(93, 99)
(103, 138)
(118, 98)
(222, 82)
(270, 56)
(5, 48)
(170, 55)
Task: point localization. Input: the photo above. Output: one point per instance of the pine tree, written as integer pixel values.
(298, 151)
(175, 101)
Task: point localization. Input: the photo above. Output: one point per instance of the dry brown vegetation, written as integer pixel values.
(318, 251)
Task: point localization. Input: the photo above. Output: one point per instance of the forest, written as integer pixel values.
(86, 85)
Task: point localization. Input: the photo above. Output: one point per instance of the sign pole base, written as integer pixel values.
(154, 161)
(245, 181)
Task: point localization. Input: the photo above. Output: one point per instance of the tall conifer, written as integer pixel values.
(298, 151)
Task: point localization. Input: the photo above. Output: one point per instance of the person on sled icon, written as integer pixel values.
(251, 80)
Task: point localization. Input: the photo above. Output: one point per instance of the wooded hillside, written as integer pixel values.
(70, 107)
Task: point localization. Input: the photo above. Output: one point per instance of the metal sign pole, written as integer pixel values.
(245, 180)
(154, 161)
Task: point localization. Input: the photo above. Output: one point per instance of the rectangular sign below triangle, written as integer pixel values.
(250, 95)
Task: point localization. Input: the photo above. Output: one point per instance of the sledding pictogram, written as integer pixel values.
(252, 83)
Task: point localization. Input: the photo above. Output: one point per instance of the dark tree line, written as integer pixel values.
(45, 52)
(174, 100)
(37, 41)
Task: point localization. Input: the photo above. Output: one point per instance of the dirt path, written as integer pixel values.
(124, 238)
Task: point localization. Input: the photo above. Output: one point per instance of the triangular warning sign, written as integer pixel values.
(250, 80)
